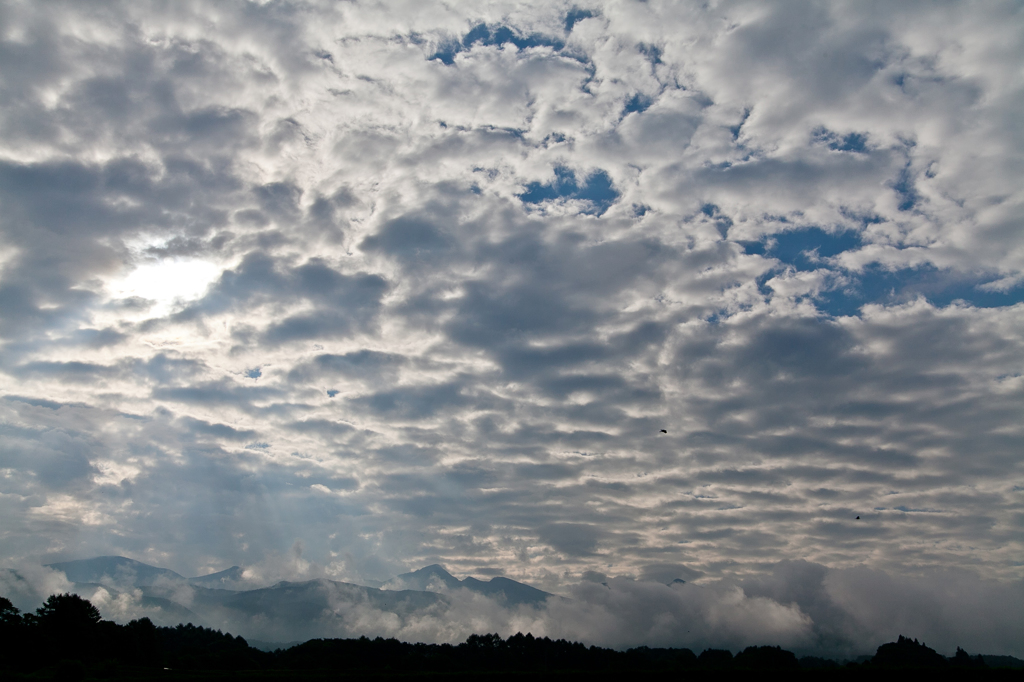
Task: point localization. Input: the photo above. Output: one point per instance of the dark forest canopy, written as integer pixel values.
(67, 638)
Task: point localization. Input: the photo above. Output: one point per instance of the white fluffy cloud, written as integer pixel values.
(417, 282)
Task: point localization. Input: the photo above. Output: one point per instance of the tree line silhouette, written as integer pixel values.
(66, 638)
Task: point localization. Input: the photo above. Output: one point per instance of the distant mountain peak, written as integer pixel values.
(433, 569)
(303, 608)
(435, 577)
(116, 570)
(233, 569)
(424, 579)
(229, 578)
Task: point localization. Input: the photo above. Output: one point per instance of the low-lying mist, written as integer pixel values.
(807, 608)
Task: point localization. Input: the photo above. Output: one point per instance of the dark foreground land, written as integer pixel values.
(66, 639)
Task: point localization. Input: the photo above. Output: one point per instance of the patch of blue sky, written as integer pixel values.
(804, 249)
(722, 222)
(652, 52)
(876, 284)
(575, 16)
(904, 186)
(638, 103)
(809, 249)
(851, 142)
(596, 189)
(735, 130)
(482, 34)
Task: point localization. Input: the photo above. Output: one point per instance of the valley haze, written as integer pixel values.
(801, 606)
(665, 323)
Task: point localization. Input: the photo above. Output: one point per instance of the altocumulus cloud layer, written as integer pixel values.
(423, 282)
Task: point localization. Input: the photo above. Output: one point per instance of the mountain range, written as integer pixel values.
(283, 612)
(434, 578)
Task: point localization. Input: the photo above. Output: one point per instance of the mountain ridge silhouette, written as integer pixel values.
(504, 589)
(306, 607)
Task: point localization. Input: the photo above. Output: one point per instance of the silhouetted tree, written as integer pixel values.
(67, 627)
(488, 642)
(685, 658)
(962, 659)
(138, 644)
(69, 671)
(766, 658)
(715, 659)
(67, 612)
(11, 633)
(65, 639)
(646, 658)
(907, 653)
(192, 647)
(9, 614)
(817, 663)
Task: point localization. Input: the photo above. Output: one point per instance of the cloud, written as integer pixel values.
(29, 585)
(454, 269)
(368, 365)
(668, 573)
(804, 607)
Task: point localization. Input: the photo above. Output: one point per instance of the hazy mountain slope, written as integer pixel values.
(115, 570)
(228, 579)
(508, 590)
(316, 598)
(290, 611)
(1002, 661)
(170, 613)
(429, 578)
(22, 593)
(435, 578)
(286, 611)
(155, 603)
(195, 596)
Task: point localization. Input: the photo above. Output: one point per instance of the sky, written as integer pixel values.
(567, 292)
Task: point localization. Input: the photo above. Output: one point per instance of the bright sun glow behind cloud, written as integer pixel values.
(166, 281)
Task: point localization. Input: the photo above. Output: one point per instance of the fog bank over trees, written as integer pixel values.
(807, 608)
(66, 637)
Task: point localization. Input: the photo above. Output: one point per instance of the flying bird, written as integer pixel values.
(858, 518)
(664, 431)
